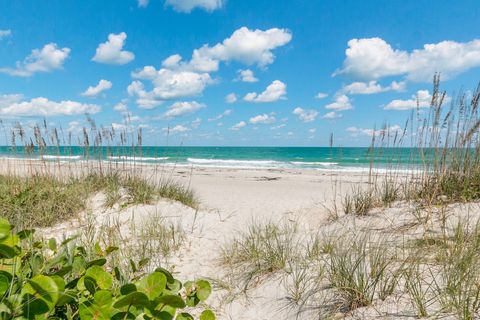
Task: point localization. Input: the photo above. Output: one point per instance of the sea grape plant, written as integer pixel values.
(41, 280)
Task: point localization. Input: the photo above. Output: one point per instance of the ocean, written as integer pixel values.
(319, 158)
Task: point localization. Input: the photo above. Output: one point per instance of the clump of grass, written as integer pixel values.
(459, 283)
(420, 291)
(145, 244)
(42, 200)
(261, 251)
(175, 191)
(359, 202)
(360, 271)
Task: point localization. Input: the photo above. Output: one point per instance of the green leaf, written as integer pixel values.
(5, 228)
(184, 316)
(204, 289)
(52, 244)
(103, 298)
(99, 262)
(6, 251)
(137, 299)
(170, 278)
(175, 286)
(153, 284)
(25, 234)
(110, 250)
(127, 288)
(103, 279)
(207, 315)
(171, 300)
(89, 284)
(5, 279)
(40, 294)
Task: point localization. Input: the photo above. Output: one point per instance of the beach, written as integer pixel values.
(231, 200)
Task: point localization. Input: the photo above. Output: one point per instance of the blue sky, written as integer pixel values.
(215, 72)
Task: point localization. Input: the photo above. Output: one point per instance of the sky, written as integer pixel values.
(231, 72)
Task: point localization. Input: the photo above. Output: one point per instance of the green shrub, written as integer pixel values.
(51, 281)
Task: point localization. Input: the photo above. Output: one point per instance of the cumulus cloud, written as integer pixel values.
(374, 58)
(102, 85)
(47, 59)
(341, 103)
(321, 95)
(167, 85)
(244, 45)
(121, 107)
(263, 119)
(389, 131)
(177, 129)
(277, 90)
(231, 98)
(224, 114)
(331, 115)
(5, 33)
(14, 105)
(177, 78)
(238, 126)
(182, 108)
(187, 6)
(246, 76)
(305, 115)
(110, 52)
(422, 99)
(371, 87)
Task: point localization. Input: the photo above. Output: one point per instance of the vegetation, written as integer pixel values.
(41, 200)
(40, 281)
(261, 251)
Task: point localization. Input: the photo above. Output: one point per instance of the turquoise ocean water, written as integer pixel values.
(239, 157)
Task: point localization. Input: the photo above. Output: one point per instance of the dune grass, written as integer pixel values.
(42, 200)
(262, 250)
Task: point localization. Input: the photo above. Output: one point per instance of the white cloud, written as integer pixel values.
(99, 88)
(321, 95)
(121, 107)
(277, 90)
(224, 114)
(390, 131)
(188, 5)
(9, 99)
(341, 103)
(5, 33)
(244, 45)
(305, 115)
(231, 98)
(110, 52)
(331, 115)
(143, 3)
(167, 85)
(312, 131)
(374, 58)
(280, 126)
(47, 59)
(12, 105)
(181, 108)
(238, 126)
(422, 99)
(177, 129)
(196, 123)
(246, 76)
(262, 119)
(371, 87)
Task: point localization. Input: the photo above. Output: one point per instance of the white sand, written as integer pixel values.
(232, 198)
